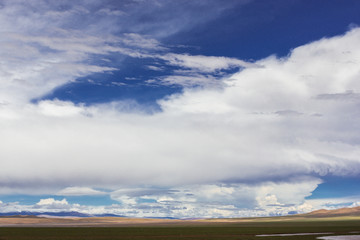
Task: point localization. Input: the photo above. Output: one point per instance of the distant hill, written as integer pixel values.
(56, 214)
(355, 211)
(322, 213)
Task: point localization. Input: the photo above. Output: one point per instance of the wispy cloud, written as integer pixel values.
(79, 191)
(204, 64)
(60, 44)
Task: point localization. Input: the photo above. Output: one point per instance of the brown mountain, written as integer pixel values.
(355, 211)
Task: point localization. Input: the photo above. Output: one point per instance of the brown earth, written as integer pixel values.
(355, 211)
(77, 221)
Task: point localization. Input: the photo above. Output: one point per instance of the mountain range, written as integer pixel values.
(340, 212)
(322, 213)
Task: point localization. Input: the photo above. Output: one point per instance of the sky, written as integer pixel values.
(184, 109)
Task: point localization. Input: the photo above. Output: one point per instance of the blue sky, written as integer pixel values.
(179, 108)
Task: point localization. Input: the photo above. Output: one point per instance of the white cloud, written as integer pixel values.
(204, 63)
(50, 201)
(333, 203)
(234, 131)
(220, 200)
(36, 59)
(80, 191)
(355, 204)
(139, 41)
(56, 48)
(196, 71)
(209, 200)
(293, 118)
(287, 192)
(58, 108)
(183, 204)
(188, 80)
(155, 68)
(52, 204)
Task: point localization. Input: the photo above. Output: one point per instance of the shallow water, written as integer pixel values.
(292, 234)
(343, 237)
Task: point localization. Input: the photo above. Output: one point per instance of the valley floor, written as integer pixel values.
(28, 228)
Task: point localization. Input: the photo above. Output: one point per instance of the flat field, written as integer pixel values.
(245, 229)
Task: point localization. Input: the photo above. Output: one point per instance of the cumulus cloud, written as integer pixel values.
(201, 127)
(333, 203)
(235, 200)
(52, 202)
(202, 201)
(219, 200)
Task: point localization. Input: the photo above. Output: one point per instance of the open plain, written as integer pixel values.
(301, 226)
